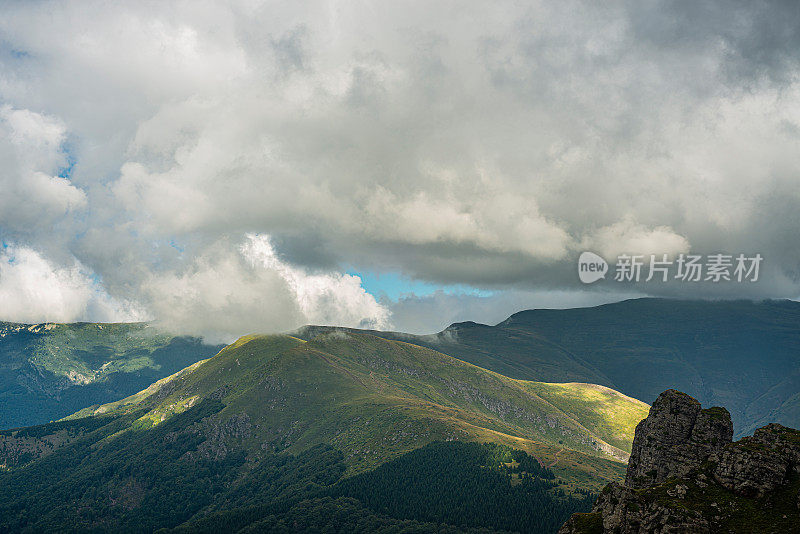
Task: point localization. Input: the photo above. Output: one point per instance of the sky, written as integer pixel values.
(220, 168)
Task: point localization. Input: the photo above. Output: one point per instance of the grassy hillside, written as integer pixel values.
(374, 399)
(738, 354)
(48, 371)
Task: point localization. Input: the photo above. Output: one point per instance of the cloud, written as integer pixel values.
(228, 291)
(477, 144)
(626, 237)
(323, 298)
(31, 155)
(34, 290)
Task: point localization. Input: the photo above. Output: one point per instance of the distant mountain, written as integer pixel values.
(743, 355)
(261, 434)
(48, 371)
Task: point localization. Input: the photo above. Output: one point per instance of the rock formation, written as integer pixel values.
(676, 438)
(686, 475)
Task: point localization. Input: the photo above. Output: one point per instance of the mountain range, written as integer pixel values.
(477, 428)
(340, 416)
(740, 354)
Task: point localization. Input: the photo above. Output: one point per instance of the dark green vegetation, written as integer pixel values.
(450, 482)
(464, 485)
(588, 523)
(738, 354)
(49, 371)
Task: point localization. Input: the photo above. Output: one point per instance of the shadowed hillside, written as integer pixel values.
(48, 371)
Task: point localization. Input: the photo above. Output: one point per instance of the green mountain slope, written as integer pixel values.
(48, 371)
(248, 436)
(739, 354)
(374, 398)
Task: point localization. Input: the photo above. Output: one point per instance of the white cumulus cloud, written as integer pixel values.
(227, 291)
(323, 298)
(33, 289)
(32, 195)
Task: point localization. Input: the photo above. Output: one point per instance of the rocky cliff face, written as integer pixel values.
(676, 438)
(686, 475)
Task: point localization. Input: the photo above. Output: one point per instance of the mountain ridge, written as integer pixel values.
(358, 358)
(738, 353)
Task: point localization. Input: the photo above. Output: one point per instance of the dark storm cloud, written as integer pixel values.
(757, 40)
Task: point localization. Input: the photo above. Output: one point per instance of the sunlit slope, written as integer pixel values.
(603, 411)
(374, 399)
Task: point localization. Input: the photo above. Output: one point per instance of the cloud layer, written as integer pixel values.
(218, 167)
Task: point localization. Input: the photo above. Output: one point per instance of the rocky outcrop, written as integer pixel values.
(686, 475)
(761, 464)
(622, 510)
(675, 438)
